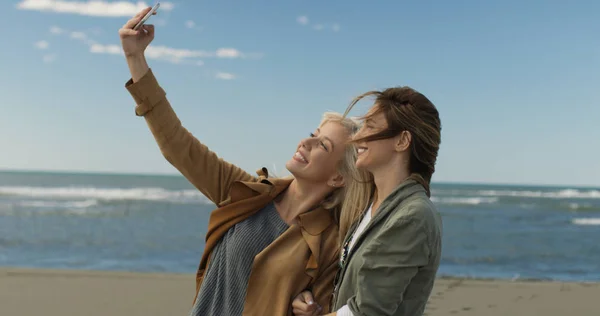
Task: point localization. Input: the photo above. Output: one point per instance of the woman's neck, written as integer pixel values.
(299, 198)
(386, 180)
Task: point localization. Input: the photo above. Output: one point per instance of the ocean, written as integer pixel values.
(157, 224)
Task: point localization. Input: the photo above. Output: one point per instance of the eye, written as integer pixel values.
(323, 145)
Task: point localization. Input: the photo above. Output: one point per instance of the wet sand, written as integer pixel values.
(25, 292)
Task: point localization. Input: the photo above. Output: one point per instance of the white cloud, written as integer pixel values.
(82, 37)
(303, 20)
(56, 30)
(169, 54)
(192, 25)
(106, 49)
(49, 58)
(229, 53)
(90, 8)
(225, 76)
(163, 53)
(42, 45)
(78, 35)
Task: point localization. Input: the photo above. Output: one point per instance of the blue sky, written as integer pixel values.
(516, 82)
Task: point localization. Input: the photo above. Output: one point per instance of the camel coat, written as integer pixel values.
(304, 257)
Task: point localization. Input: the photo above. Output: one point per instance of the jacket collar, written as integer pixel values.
(391, 203)
(399, 194)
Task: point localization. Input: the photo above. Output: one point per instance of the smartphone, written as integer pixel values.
(147, 16)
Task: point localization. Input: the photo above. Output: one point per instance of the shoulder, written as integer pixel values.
(419, 212)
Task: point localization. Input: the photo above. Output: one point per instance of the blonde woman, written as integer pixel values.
(269, 239)
(391, 254)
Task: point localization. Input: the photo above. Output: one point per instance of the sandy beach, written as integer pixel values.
(25, 292)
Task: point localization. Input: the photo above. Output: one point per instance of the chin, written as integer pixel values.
(360, 164)
(290, 166)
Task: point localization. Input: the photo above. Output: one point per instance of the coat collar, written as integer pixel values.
(314, 222)
(247, 197)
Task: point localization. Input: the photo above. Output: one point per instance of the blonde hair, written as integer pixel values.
(348, 207)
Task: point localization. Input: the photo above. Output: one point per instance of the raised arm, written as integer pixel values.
(203, 168)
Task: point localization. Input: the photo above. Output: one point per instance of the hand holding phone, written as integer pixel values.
(147, 16)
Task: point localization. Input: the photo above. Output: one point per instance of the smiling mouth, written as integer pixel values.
(299, 157)
(361, 150)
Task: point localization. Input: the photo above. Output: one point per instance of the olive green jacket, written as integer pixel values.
(392, 266)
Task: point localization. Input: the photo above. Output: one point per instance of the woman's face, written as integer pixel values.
(377, 153)
(317, 157)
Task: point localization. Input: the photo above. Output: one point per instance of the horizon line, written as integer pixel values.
(149, 174)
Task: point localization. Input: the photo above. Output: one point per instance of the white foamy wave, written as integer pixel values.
(586, 221)
(561, 194)
(59, 204)
(465, 200)
(110, 194)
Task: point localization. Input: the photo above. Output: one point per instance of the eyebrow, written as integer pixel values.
(327, 138)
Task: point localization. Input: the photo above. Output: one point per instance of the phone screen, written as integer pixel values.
(147, 16)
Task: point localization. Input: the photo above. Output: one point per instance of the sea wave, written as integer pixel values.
(464, 200)
(560, 194)
(549, 194)
(104, 194)
(590, 221)
(58, 204)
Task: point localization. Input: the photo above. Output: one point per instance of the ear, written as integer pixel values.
(336, 181)
(403, 141)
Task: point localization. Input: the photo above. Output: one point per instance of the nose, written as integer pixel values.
(307, 142)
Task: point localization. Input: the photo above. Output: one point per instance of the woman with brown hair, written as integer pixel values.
(269, 239)
(391, 254)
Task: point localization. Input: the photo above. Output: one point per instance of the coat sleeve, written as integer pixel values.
(323, 288)
(388, 265)
(203, 168)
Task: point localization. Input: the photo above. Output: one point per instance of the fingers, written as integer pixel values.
(125, 32)
(133, 21)
(308, 297)
(143, 12)
(299, 305)
(301, 313)
(305, 305)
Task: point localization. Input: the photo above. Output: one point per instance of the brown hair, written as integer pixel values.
(405, 110)
(408, 110)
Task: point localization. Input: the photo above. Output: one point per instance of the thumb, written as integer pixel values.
(308, 297)
(148, 30)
